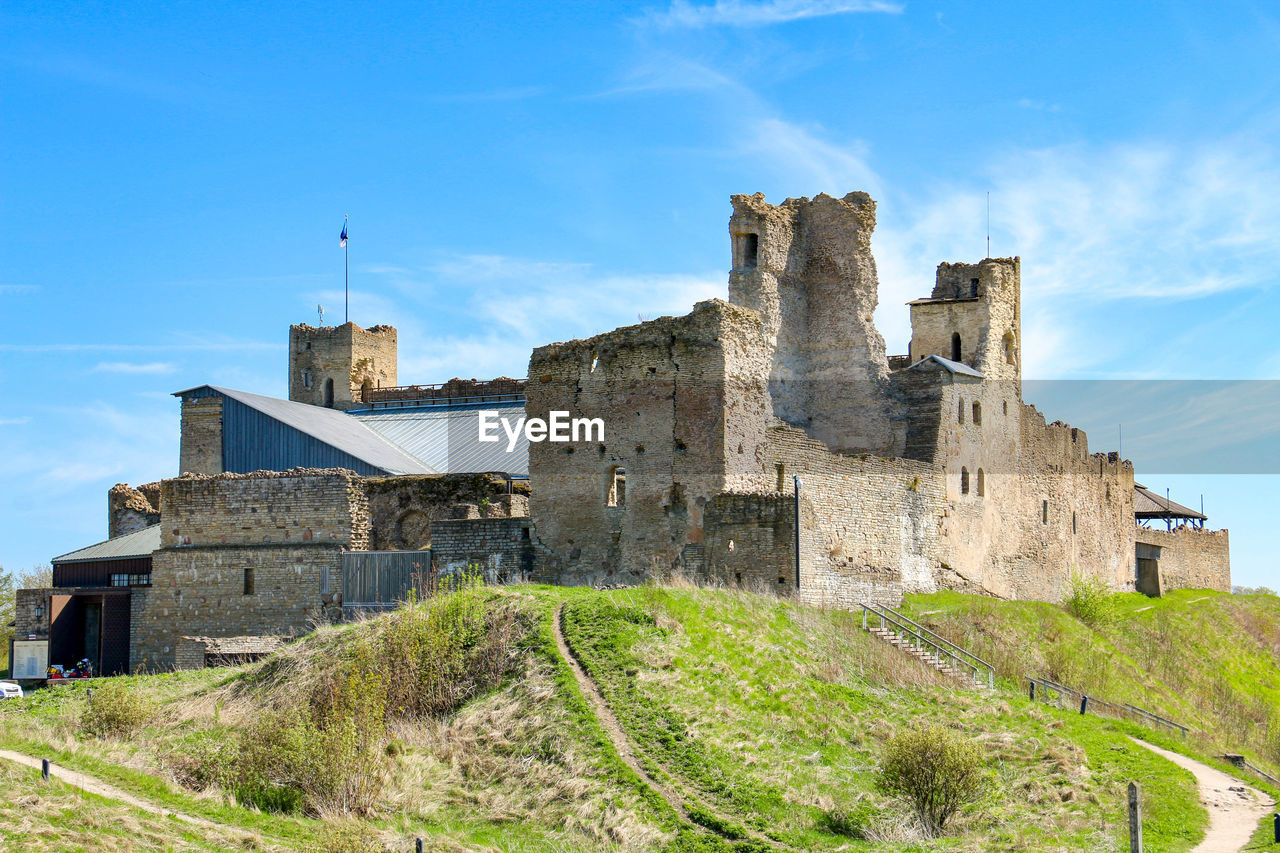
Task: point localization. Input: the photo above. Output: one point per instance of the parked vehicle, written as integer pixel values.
(10, 690)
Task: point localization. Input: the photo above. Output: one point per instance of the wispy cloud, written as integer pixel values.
(1039, 106)
(151, 367)
(740, 13)
(14, 421)
(18, 288)
(88, 71)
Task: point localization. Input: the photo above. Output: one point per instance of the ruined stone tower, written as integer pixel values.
(331, 365)
(973, 316)
(806, 267)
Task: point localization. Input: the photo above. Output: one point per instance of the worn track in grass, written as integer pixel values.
(621, 742)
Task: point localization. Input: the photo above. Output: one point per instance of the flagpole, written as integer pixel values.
(346, 272)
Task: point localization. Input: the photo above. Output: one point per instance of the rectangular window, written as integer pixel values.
(751, 251)
(1044, 512)
(616, 485)
(143, 579)
(248, 581)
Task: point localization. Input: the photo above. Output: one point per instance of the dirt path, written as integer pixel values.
(111, 792)
(619, 738)
(1234, 807)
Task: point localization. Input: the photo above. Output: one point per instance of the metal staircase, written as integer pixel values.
(926, 646)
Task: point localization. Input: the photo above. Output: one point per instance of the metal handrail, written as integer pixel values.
(1094, 702)
(940, 646)
(938, 639)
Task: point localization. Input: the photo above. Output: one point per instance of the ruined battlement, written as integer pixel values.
(334, 366)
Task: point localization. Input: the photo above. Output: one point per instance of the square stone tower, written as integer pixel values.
(332, 365)
(973, 316)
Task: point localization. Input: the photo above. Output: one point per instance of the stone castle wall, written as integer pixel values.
(130, 510)
(403, 510)
(501, 550)
(348, 356)
(201, 450)
(1190, 557)
(683, 403)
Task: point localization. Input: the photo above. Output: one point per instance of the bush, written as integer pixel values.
(1090, 600)
(852, 822)
(936, 770)
(116, 709)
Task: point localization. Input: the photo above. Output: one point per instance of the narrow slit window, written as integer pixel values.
(977, 414)
(248, 582)
(328, 392)
(964, 481)
(982, 484)
(973, 288)
(750, 250)
(1044, 512)
(955, 346)
(782, 476)
(960, 412)
(617, 487)
(1073, 522)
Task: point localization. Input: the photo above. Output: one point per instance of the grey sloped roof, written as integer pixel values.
(448, 439)
(949, 365)
(333, 427)
(137, 544)
(1148, 504)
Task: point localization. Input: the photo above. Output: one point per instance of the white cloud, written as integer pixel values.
(151, 367)
(739, 13)
(19, 288)
(14, 421)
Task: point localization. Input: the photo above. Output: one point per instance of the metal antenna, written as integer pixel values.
(988, 223)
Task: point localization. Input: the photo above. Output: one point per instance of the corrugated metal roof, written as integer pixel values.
(952, 366)
(335, 428)
(448, 440)
(1148, 504)
(137, 544)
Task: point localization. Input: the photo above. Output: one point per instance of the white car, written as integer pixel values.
(10, 690)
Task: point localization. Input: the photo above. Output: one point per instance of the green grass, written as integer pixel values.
(766, 718)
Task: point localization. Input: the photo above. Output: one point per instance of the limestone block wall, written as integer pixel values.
(989, 321)
(347, 356)
(204, 590)
(403, 510)
(302, 505)
(130, 510)
(684, 406)
(201, 449)
(874, 524)
(1191, 557)
(501, 549)
(806, 267)
(749, 542)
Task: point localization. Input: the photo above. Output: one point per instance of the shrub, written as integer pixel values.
(116, 709)
(1090, 600)
(852, 822)
(936, 770)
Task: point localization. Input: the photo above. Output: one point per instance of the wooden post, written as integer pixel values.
(1033, 690)
(44, 769)
(417, 846)
(1084, 703)
(1135, 818)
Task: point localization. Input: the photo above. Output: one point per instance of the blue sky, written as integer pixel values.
(174, 179)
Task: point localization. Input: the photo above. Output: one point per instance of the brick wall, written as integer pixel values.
(1191, 558)
(403, 510)
(502, 549)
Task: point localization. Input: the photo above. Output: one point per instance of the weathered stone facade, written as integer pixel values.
(403, 510)
(1188, 558)
(918, 473)
(331, 365)
(501, 550)
(130, 510)
(201, 448)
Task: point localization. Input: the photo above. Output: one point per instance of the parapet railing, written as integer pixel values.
(445, 394)
(1052, 691)
(922, 638)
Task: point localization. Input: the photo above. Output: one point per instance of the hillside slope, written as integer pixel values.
(760, 724)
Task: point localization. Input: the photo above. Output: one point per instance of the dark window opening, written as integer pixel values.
(737, 578)
(248, 581)
(308, 346)
(617, 487)
(977, 414)
(955, 346)
(1044, 512)
(750, 250)
(982, 484)
(1073, 522)
(328, 392)
(143, 579)
(306, 379)
(1006, 406)
(960, 412)
(964, 481)
(782, 579)
(973, 287)
(1009, 356)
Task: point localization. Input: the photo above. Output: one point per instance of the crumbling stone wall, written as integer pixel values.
(1190, 557)
(684, 405)
(130, 510)
(403, 510)
(806, 267)
(982, 303)
(201, 449)
(349, 357)
(246, 554)
(502, 550)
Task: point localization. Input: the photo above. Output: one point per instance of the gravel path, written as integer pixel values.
(1234, 807)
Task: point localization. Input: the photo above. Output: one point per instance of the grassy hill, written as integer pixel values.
(765, 723)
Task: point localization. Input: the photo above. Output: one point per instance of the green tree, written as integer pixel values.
(37, 577)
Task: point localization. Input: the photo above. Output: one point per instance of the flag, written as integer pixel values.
(342, 241)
